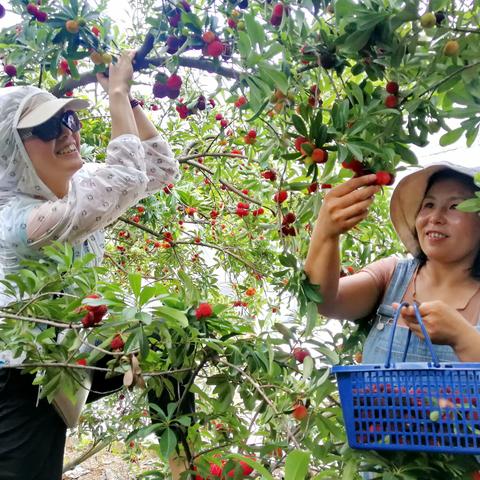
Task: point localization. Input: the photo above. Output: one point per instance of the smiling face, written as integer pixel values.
(446, 234)
(57, 160)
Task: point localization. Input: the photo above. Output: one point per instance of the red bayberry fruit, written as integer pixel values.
(96, 31)
(300, 354)
(384, 178)
(289, 218)
(313, 187)
(391, 101)
(224, 123)
(280, 196)
(392, 88)
(240, 102)
(41, 16)
(259, 211)
(300, 412)
(32, 9)
(319, 155)
(2, 11)
(277, 9)
(174, 82)
(168, 189)
(204, 310)
(117, 342)
(218, 116)
(215, 49)
(10, 70)
(252, 133)
(160, 90)
(88, 320)
(82, 361)
(298, 143)
(208, 37)
(269, 175)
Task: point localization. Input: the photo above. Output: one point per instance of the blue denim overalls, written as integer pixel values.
(375, 349)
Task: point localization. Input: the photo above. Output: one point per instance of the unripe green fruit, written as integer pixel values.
(428, 20)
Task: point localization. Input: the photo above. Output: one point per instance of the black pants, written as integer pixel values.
(32, 438)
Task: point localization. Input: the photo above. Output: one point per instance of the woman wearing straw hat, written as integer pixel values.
(47, 194)
(443, 277)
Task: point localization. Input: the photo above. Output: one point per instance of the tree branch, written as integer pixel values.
(263, 395)
(197, 63)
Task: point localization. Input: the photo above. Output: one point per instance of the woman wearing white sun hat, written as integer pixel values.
(47, 194)
(443, 276)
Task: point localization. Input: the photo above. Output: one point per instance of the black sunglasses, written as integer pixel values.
(52, 128)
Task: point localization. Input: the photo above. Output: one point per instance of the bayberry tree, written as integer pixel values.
(267, 105)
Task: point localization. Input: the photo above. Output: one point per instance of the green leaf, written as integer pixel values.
(296, 465)
(288, 260)
(255, 31)
(244, 44)
(146, 294)
(312, 317)
(357, 40)
(451, 137)
(470, 205)
(135, 281)
(299, 125)
(168, 442)
(172, 315)
(278, 78)
(307, 368)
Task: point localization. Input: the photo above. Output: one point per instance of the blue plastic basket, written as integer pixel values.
(424, 406)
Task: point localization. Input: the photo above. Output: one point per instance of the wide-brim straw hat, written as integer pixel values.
(408, 196)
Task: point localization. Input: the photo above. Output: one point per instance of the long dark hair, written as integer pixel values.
(448, 174)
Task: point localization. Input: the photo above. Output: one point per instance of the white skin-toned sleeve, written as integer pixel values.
(98, 197)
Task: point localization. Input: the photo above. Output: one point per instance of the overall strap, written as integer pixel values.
(397, 287)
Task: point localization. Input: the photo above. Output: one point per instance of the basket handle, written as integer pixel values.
(424, 331)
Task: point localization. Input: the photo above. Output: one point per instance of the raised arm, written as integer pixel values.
(343, 208)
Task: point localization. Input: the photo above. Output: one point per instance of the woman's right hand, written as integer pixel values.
(346, 205)
(120, 74)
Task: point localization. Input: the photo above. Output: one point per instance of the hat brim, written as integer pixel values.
(408, 196)
(48, 109)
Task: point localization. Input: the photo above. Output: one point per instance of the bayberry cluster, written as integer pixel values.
(95, 313)
(185, 110)
(287, 227)
(269, 175)
(243, 209)
(39, 15)
(167, 86)
(391, 101)
(251, 137)
(311, 153)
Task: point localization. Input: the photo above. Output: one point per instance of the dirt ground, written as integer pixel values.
(111, 463)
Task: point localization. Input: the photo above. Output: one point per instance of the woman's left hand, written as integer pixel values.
(444, 324)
